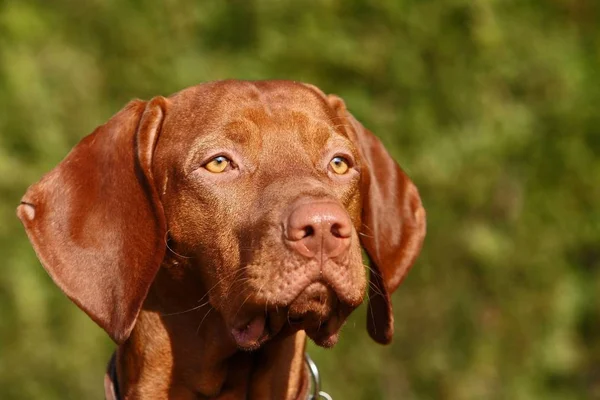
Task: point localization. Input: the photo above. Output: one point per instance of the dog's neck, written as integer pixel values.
(191, 355)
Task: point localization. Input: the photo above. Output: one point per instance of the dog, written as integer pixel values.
(210, 232)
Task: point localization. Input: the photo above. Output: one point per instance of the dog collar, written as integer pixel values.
(111, 384)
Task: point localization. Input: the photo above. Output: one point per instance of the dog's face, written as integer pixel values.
(265, 191)
(264, 196)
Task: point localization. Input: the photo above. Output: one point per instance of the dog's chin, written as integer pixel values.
(316, 310)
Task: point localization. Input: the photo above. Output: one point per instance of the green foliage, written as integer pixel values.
(490, 106)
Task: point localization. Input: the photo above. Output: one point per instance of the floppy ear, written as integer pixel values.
(95, 221)
(393, 222)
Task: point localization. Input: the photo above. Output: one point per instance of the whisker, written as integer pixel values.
(237, 283)
(244, 302)
(166, 240)
(372, 319)
(199, 300)
(211, 289)
(205, 315)
(371, 284)
(266, 300)
(384, 239)
(236, 280)
(365, 235)
(185, 311)
(376, 289)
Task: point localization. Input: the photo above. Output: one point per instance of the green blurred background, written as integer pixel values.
(491, 106)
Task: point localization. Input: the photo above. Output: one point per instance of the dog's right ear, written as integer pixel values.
(96, 222)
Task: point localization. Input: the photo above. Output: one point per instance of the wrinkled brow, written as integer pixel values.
(241, 131)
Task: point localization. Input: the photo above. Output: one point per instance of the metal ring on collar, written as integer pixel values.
(317, 393)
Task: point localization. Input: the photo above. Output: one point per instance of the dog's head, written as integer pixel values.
(267, 190)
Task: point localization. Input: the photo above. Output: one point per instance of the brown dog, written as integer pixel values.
(226, 217)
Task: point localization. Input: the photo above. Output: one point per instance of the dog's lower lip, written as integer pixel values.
(250, 334)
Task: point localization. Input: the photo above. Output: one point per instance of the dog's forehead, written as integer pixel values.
(227, 95)
(278, 115)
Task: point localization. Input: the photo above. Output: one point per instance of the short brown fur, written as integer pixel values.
(176, 263)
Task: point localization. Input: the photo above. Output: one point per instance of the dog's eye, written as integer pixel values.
(217, 164)
(339, 165)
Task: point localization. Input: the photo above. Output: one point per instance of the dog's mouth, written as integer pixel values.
(316, 310)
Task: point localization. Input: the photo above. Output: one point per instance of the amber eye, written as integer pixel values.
(339, 165)
(217, 164)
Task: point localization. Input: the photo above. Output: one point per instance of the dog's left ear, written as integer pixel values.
(393, 222)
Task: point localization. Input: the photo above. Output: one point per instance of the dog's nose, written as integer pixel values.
(320, 230)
